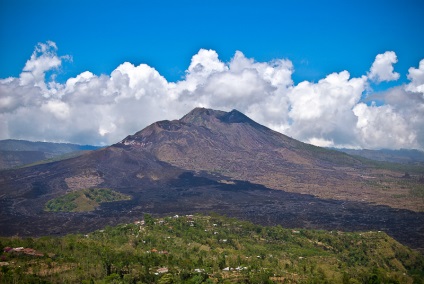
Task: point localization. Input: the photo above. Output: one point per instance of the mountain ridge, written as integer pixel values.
(17, 153)
(403, 156)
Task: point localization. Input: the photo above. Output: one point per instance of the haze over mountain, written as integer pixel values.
(219, 161)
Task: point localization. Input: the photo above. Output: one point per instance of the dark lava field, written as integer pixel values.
(191, 194)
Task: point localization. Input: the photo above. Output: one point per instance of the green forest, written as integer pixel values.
(84, 200)
(209, 249)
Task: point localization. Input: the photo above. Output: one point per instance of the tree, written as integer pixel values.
(166, 279)
(149, 221)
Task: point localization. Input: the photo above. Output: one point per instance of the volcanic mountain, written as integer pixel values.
(232, 145)
(217, 161)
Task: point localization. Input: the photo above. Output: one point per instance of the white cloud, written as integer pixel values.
(384, 127)
(382, 68)
(323, 111)
(43, 59)
(416, 75)
(91, 109)
(58, 108)
(257, 89)
(320, 142)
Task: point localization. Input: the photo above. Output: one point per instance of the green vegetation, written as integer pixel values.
(84, 200)
(210, 249)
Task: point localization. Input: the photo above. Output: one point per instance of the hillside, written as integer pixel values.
(16, 153)
(403, 156)
(209, 249)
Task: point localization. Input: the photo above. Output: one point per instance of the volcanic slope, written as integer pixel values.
(232, 145)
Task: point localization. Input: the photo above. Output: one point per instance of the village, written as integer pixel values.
(206, 249)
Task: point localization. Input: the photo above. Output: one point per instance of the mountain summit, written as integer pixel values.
(203, 114)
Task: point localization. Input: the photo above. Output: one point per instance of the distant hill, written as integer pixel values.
(16, 153)
(403, 156)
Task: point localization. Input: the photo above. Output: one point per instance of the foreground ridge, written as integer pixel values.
(210, 249)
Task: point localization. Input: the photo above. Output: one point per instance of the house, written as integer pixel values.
(162, 270)
(18, 249)
(29, 251)
(7, 249)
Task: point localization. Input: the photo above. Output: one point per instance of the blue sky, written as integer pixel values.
(319, 37)
(316, 37)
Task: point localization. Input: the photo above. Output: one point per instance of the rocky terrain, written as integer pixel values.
(214, 161)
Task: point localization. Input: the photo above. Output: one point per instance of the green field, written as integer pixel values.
(84, 200)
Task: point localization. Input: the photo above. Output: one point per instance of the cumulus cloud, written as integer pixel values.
(103, 109)
(328, 102)
(416, 75)
(384, 127)
(382, 69)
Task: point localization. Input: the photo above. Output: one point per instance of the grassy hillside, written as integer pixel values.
(84, 200)
(210, 249)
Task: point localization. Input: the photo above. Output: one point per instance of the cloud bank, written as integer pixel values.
(103, 109)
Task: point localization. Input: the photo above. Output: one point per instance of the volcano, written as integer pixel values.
(214, 161)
